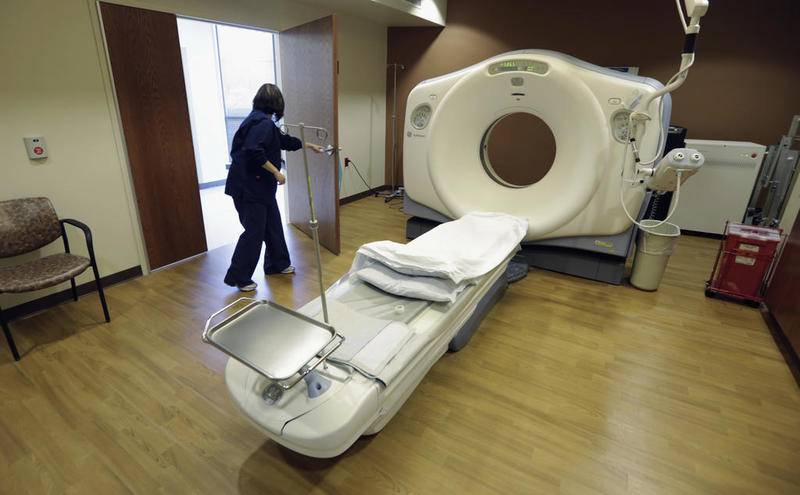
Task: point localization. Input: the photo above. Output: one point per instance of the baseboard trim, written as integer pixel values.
(708, 235)
(56, 298)
(213, 183)
(364, 194)
(788, 352)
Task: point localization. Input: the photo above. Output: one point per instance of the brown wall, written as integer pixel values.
(745, 85)
(783, 296)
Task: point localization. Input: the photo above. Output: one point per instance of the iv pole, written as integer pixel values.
(397, 192)
(313, 223)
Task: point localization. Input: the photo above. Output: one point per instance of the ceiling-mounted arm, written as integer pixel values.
(695, 9)
(669, 171)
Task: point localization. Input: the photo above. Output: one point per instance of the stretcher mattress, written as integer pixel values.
(355, 403)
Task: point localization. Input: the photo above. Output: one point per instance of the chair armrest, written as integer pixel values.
(85, 228)
(87, 232)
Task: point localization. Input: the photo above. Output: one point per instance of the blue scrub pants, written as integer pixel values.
(262, 223)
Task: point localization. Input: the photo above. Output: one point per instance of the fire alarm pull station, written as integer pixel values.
(36, 147)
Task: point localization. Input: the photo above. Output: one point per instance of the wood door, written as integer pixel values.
(309, 83)
(146, 65)
(783, 295)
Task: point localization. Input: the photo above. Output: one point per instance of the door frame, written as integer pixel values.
(115, 117)
(121, 146)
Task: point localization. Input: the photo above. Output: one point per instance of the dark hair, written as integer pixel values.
(269, 99)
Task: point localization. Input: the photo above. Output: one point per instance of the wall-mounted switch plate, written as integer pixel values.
(36, 147)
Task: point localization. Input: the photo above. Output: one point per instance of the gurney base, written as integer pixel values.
(496, 291)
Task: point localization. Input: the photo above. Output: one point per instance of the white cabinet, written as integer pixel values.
(720, 191)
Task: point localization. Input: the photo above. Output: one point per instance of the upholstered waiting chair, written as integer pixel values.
(26, 225)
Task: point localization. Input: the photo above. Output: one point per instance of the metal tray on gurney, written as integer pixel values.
(272, 340)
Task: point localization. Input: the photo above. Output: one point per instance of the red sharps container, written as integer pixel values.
(744, 262)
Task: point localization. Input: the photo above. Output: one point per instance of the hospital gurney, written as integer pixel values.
(316, 386)
(331, 394)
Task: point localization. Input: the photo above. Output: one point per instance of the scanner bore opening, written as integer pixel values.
(518, 150)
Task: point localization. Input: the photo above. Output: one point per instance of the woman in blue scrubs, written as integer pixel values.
(252, 182)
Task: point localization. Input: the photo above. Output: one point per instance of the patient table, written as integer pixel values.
(315, 387)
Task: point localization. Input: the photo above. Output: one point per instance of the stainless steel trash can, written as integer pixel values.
(654, 246)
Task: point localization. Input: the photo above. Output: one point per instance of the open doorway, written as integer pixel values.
(150, 88)
(223, 67)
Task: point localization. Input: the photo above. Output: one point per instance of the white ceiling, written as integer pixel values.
(374, 11)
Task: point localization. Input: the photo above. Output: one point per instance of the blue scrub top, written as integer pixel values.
(257, 141)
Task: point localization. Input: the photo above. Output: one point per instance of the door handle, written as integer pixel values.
(331, 149)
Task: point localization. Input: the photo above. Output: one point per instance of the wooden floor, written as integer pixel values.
(569, 386)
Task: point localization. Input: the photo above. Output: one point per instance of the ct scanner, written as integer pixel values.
(610, 132)
(587, 108)
(341, 366)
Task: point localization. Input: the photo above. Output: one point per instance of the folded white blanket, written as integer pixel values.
(413, 286)
(459, 250)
